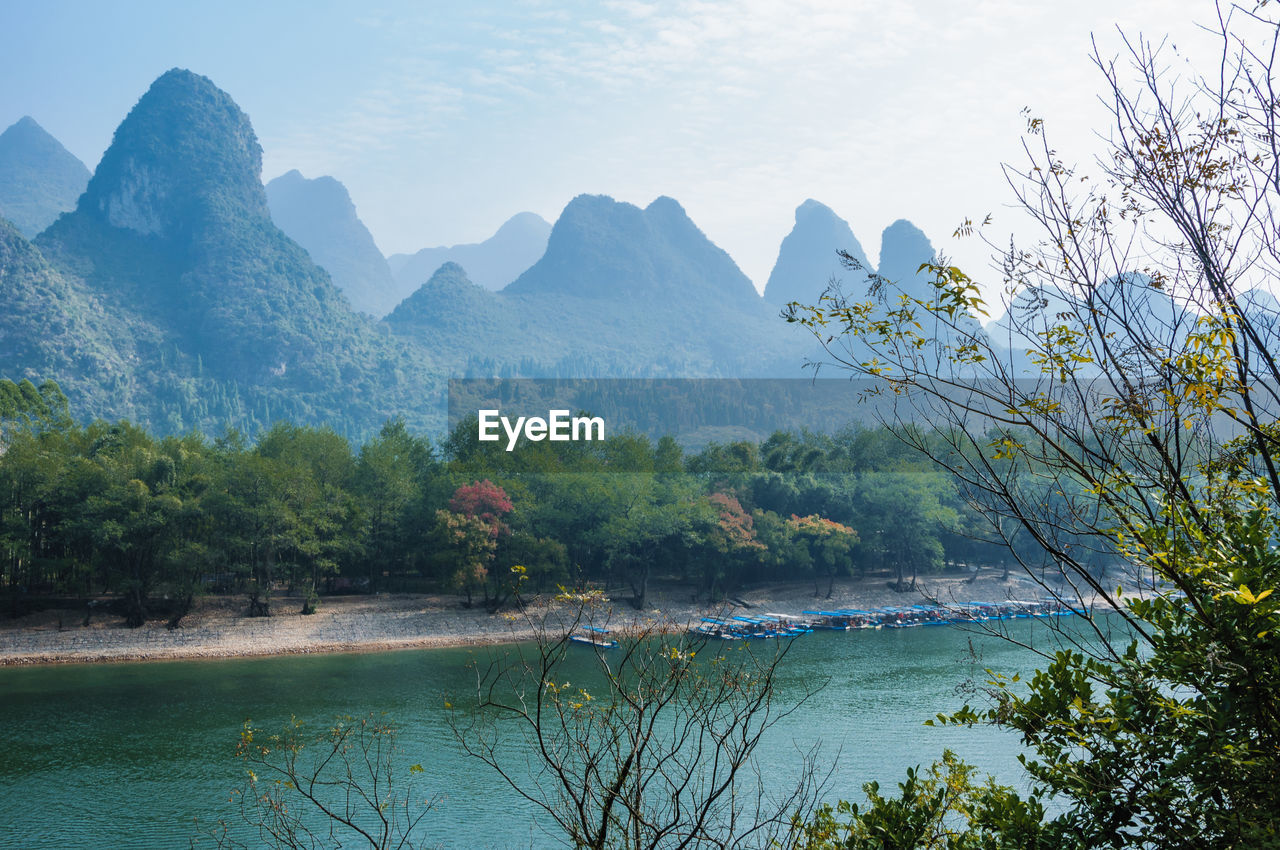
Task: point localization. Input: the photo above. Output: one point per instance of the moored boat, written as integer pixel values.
(593, 636)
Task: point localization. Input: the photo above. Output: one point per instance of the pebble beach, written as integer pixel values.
(219, 627)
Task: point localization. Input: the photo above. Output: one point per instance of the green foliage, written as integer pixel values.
(829, 544)
(23, 406)
(156, 522)
(941, 808)
(1179, 737)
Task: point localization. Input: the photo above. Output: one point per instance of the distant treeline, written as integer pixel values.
(106, 508)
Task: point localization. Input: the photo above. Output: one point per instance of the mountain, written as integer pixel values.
(1125, 309)
(233, 322)
(620, 292)
(492, 263)
(1260, 307)
(39, 178)
(807, 260)
(600, 248)
(51, 328)
(453, 313)
(903, 248)
(319, 216)
(170, 296)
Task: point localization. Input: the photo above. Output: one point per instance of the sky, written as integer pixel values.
(445, 119)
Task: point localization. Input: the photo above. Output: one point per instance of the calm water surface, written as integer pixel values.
(130, 755)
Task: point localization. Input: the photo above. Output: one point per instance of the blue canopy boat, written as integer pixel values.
(594, 636)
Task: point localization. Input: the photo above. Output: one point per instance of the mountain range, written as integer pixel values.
(493, 263)
(181, 292)
(620, 292)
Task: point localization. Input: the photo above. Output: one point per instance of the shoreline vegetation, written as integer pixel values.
(219, 626)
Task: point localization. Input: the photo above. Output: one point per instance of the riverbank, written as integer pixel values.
(219, 628)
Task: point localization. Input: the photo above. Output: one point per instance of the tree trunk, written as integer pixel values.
(137, 609)
(639, 588)
(258, 605)
(311, 601)
(184, 608)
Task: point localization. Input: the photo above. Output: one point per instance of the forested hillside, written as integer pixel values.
(224, 320)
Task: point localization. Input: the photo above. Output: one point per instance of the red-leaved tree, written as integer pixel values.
(485, 501)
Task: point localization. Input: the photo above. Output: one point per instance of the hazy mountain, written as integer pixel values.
(807, 259)
(39, 178)
(620, 291)
(492, 263)
(1123, 308)
(903, 247)
(602, 248)
(319, 216)
(454, 314)
(1263, 310)
(169, 295)
(233, 321)
(1260, 306)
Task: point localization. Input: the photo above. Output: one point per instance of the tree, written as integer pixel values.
(731, 543)
(314, 471)
(653, 749)
(467, 548)
(135, 515)
(830, 545)
(338, 787)
(941, 808)
(653, 515)
(251, 511)
(902, 520)
(388, 479)
(545, 562)
(470, 530)
(484, 500)
(1126, 403)
(23, 406)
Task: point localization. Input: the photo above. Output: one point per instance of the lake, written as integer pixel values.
(131, 755)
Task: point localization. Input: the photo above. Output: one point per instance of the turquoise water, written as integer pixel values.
(142, 755)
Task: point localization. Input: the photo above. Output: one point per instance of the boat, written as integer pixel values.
(834, 621)
(773, 625)
(714, 627)
(789, 625)
(593, 636)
